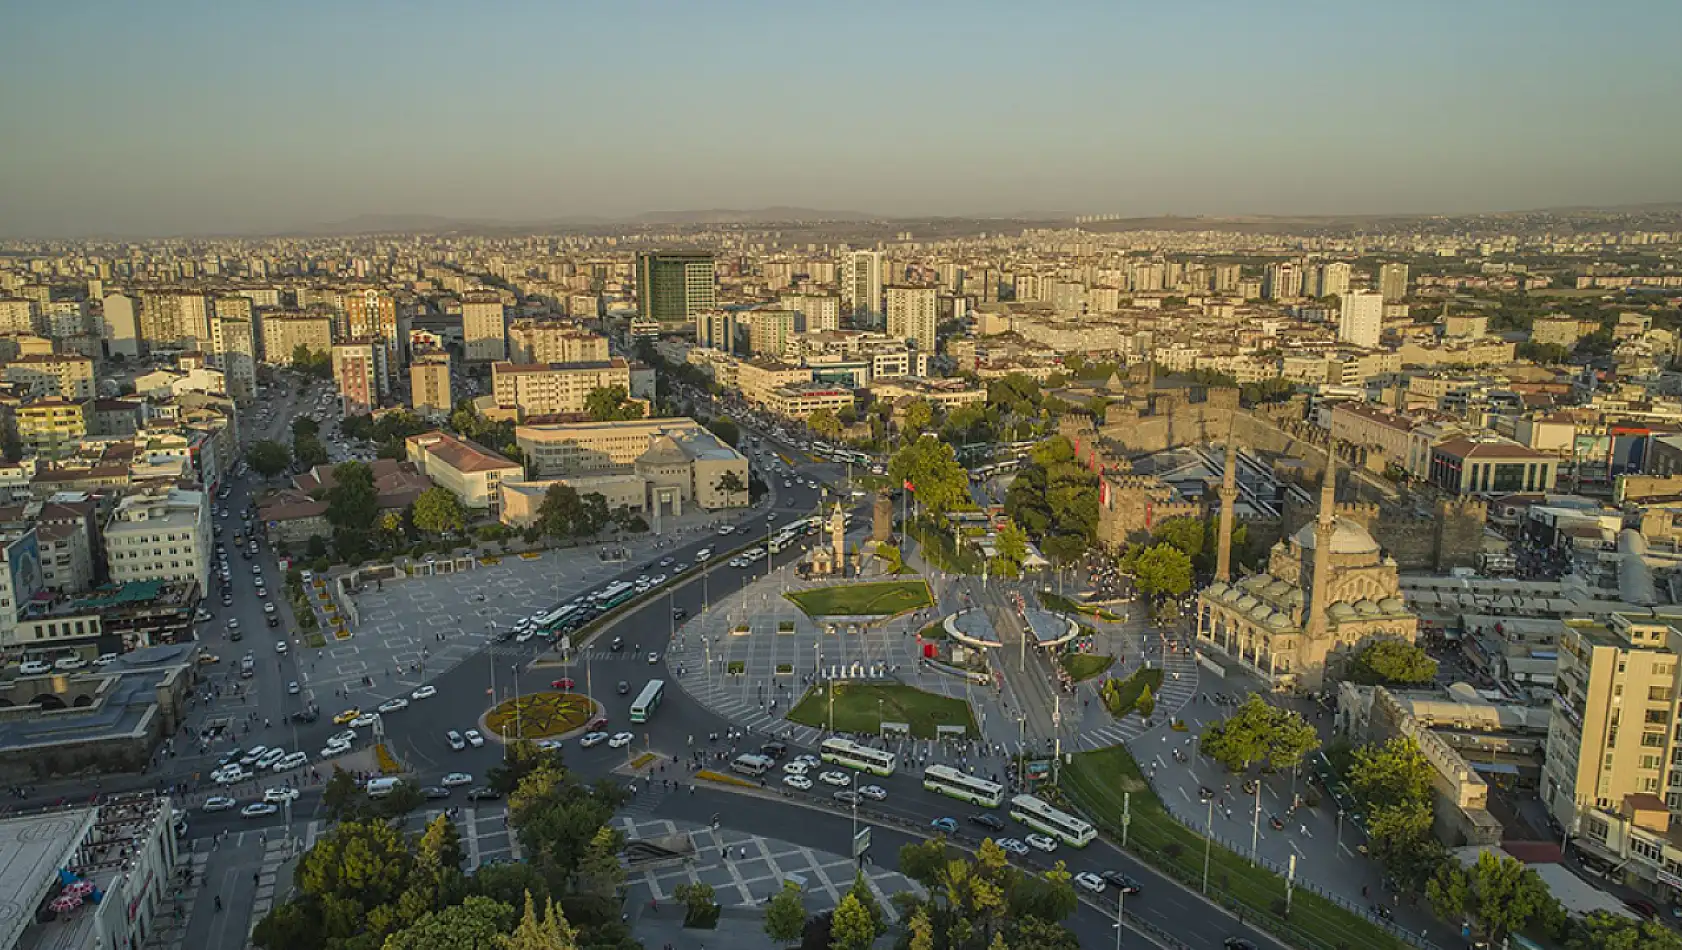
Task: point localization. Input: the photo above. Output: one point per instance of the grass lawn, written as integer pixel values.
(1128, 693)
(1063, 604)
(938, 548)
(882, 598)
(1084, 666)
(736, 667)
(856, 709)
(540, 715)
(934, 631)
(1095, 781)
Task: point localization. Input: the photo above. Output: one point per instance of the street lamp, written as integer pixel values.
(1208, 839)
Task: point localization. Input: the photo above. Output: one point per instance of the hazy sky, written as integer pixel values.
(167, 116)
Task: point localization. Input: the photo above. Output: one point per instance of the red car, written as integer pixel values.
(564, 682)
(597, 723)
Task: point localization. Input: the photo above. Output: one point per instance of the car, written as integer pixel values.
(290, 761)
(653, 658)
(474, 739)
(846, 797)
(737, 563)
(1042, 843)
(797, 780)
(875, 793)
(227, 599)
(624, 688)
(835, 777)
(944, 824)
(620, 740)
(34, 667)
(218, 803)
(395, 704)
(455, 779)
(990, 822)
(279, 794)
(1121, 881)
(332, 749)
(347, 715)
(480, 793)
(724, 529)
(435, 792)
(230, 775)
(347, 737)
(1091, 882)
(269, 609)
(678, 613)
(364, 721)
(592, 739)
(796, 767)
(253, 754)
(264, 592)
(564, 682)
(105, 659)
(1238, 943)
(705, 554)
(258, 810)
(598, 723)
(617, 644)
(809, 759)
(774, 750)
(666, 561)
(270, 758)
(201, 615)
(69, 663)
(524, 636)
(425, 692)
(292, 688)
(1012, 845)
(307, 714)
(455, 740)
(279, 645)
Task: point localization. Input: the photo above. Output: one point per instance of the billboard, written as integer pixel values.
(23, 559)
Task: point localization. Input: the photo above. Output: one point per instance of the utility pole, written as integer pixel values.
(1208, 839)
(1255, 824)
(1126, 816)
(1290, 884)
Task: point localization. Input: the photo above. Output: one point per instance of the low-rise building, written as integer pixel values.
(678, 461)
(799, 400)
(543, 389)
(467, 470)
(1490, 467)
(53, 427)
(163, 535)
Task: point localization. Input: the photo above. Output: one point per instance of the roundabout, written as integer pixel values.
(539, 716)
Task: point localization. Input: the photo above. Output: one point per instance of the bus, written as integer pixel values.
(965, 787)
(752, 764)
(552, 621)
(781, 541)
(1064, 827)
(601, 597)
(856, 756)
(647, 701)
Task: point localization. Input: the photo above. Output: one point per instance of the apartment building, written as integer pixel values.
(817, 311)
(1354, 423)
(233, 345)
(467, 470)
(20, 579)
(161, 536)
(542, 389)
(716, 330)
(484, 328)
(757, 378)
(17, 315)
(554, 341)
(371, 314)
(429, 384)
(861, 286)
(120, 326)
(911, 315)
(283, 333)
(53, 428)
(51, 374)
(1362, 321)
(359, 370)
(769, 331)
(799, 400)
(1393, 282)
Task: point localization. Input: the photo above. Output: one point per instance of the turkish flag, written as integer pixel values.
(908, 486)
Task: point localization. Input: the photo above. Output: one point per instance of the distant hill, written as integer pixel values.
(750, 216)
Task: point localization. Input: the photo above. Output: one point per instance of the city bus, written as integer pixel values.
(647, 701)
(1064, 827)
(752, 764)
(611, 591)
(856, 756)
(552, 621)
(962, 786)
(781, 541)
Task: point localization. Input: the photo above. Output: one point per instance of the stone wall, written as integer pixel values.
(1452, 537)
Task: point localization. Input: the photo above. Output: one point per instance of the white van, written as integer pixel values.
(381, 787)
(35, 667)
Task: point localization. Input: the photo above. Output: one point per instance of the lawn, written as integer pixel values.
(1061, 604)
(1127, 693)
(1084, 666)
(857, 710)
(879, 599)
(1095, 781)
(938, 548)
(540, 715)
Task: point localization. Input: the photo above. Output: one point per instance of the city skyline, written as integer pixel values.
(221, 121)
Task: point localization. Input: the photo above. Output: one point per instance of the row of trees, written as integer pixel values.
(1055, 499)
(1258, 733)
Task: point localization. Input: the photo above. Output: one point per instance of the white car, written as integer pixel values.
(524, 636)
(705, 554)
(35, 667)
(364, 721)
(290, 762)
(270, 758)
(231, 775)
(69, 663)
(280, 646)
(218, 803)
(593, 739)
(348, 737)
(455, 740)
(1041, 843)
(796, 767)
(620, 740)
(333, 749)
(726, 529)
(833, 777)
(1012, 845)
(292, 688)
(653, 658)
(875, 793)
(474, 739)
(396, 704)
(258, 810)
(425, 692)
(798, 781)
(809, 760)
(279, 794)
(456, 778)
(105, 659)
(1090, 881)
(738, 563)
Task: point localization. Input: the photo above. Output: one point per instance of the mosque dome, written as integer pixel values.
(1347, 538)
(1393, 606)
(1341, 611)
(1367, 608)
(1279, 622)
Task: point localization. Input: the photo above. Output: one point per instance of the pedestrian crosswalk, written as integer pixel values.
(1179, 685)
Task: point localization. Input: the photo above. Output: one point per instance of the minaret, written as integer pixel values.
(1325, 526)
(1229, 496)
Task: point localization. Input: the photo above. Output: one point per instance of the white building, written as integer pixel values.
(861, 284)
(161, 536)
(911, 315)
(484, 330)
(1362, 320)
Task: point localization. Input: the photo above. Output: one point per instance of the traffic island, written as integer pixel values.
(539, 716)
(863, 707)
(1084, 666)
(1137, 692)
(720, 778)
(874, 599)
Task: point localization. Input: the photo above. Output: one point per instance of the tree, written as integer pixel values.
(611, 404)
(1400, 839)
(1603, 931)
(268, 457)
(312, 363)
(437, 510)
(938, 482)
(697, 901)
(561, 512)
(1448, 892)
(730, 484)
(1505, 895)
(1256, 732)
(824, 423)
(851, 928)
(439, 850)
(475, 922)
(551, 932)
(1185, 534)
(785, 914)
(1146, 703)
(1395, 773)
(1012, 545)
(917, 416)
(341, 796)
(921, 930)
(1390, 662)
(1159, 570)
(861, 891)
(726, 429)
(599, 872)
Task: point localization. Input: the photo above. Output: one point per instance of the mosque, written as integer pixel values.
(1327, 592)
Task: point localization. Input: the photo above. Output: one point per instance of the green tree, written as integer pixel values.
(1505, 895)
(475, 922)
(861, 891)
(1395, 773)
(730, 485)
(1400, 839)
(341, 796)
(439, 851)
(599, 872)
(851, 928)
(1448, 891)
(1256, 732)
(561, 512)
(1146, 703)
(268, 457)
(1184, 534)
(550, 932)
(697, 901)
(1159, 570)
(726, 429)
(1603, 931)
(938, 482)
(917, 416)
(785, 914)
(437, 510)
(611, 404)
(307, 448)
(824, 424)
(1012, 545)
(921, 931)
(312, 363)
(1391, 662)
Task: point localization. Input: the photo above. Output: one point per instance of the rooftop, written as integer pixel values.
(460, 454)
(32, 849)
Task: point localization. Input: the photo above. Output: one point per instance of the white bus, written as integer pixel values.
(855, 756)
(752, 764)
(960, 785)
(781, 541)
(647, 701)
(611, 591)
(1060, 825)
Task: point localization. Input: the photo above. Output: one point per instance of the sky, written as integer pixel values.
(235, 116)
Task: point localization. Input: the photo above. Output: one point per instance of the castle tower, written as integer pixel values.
(1324, 529)
(1229, 496)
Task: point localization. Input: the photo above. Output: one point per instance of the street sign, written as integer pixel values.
(861, 843)
(566, 644)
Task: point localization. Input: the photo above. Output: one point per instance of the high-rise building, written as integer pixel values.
(429, 384)
(716, 330)
(672, 288)
(1282, 281)
(359, 369)
(861, 286)
(769, 331)
(1226, 278)
(820, 311)
(553, 341)
(1362, 320)
(121, 327)
(1393, 281)
(283, 333)
(371, 314)
(1330, 280)
(911, 315)
(484, 330)
(233, 345)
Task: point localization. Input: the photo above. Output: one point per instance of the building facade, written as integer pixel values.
(484, 329)
(673, 287)
(554, 388)
(164, 536)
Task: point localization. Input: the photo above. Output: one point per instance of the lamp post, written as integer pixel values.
(1208, 839)
(1255, 825)
(1340, 829)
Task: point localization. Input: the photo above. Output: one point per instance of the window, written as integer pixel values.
(1658, 716)
(1595, 828)
(1653, 740)
(1646, 850)
(1658, 694)
(1652, 761)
